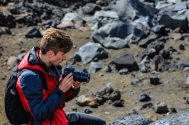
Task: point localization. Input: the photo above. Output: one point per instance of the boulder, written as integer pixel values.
(65, 24)
(144, 97)
(175, 36)
(33, 32)
(90, 51)
(152, 9)
(132, 9)
(13, 61)
(120, 30)
(173, 20)
(148, 40)
(114, 43)
(161, 107)
(94, 67)
(177, 119)
(125, 61)
(73, 17)
(159, 29)
(104, 14)
(108, 93)
(131, 120)
(91, 8)
(86, 100)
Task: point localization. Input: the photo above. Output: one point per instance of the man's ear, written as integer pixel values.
(50, 53)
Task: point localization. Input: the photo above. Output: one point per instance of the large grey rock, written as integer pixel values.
(72, 17)
(126, 61)
(180, 6)
(152, 9)
(114, 43)
(145, 21)
(132, 9)
(173, 20)
(94, 67)
(104, 14)
(161, 5)
(120, 30)
(148, 40)
(131, 120)
(177, 119)
(90, 51)
(90, 8)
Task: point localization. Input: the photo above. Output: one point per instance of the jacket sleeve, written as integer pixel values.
(71, 93)
(31, 91)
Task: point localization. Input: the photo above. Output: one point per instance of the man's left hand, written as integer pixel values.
(76, 84)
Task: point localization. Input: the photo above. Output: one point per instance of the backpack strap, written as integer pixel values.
(40, 74)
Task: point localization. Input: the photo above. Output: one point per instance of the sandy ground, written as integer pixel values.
(171, 92)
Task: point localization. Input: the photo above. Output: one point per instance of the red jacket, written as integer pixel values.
(46, 107)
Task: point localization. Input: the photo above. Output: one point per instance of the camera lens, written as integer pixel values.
(81, 76)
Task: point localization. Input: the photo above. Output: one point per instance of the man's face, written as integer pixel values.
(58, 58)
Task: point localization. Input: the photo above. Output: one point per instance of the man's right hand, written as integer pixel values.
(66, 83)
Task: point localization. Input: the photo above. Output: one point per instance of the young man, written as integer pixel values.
(46, 107)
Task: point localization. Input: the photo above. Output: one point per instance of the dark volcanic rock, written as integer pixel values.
(90, 8)
(144, 97)
(132, 120)
(161, 108)
(33, 32)
(173, 20)
(118, 29)
(149, 104)
(132, 9)
(108, 93)
(177, 119)
(146, 41)
(126, 61)
(154, 80)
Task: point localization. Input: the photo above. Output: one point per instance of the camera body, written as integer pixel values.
(77, 76)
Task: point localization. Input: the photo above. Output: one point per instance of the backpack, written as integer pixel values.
(14, 109)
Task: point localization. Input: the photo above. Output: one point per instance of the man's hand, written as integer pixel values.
(76, 84)
(66, 83)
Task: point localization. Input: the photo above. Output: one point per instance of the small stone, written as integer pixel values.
(134, 111)
(22, 50)
(154, 80)
(9, 68)
(101, 74)
(74, 46)
(132, 75)
(74, 109)
(181, 47)
(87, 111)
(118, 103)
(107, 113)
(173, 109)
(153, 72)
(109, 101)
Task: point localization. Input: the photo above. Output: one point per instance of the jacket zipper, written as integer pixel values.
(50, 121)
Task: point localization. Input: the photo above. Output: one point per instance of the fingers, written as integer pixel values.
(68, 76)
(76, 84)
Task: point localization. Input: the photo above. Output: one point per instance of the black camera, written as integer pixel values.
(78, 76)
